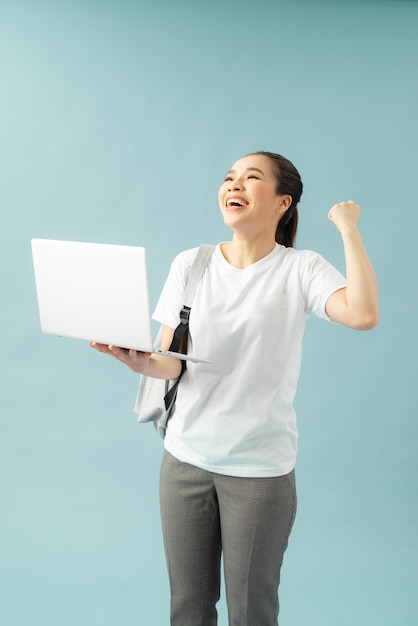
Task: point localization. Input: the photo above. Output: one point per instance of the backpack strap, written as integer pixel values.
(196, 272)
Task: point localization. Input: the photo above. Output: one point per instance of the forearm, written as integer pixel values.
(165, 367)
(362, 290)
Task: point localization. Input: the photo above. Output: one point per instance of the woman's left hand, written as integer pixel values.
(344, 215)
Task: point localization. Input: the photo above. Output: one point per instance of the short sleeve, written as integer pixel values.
(170, 301)
(321, 280)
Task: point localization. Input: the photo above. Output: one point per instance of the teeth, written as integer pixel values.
(236, 202)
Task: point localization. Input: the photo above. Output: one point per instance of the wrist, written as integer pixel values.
(349, 230)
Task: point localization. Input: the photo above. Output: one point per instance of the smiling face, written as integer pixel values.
(248, 197)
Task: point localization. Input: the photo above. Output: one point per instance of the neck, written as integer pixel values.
(242, 252)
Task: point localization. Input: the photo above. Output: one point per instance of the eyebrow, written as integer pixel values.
(256, 169)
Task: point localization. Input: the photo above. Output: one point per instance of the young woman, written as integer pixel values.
(227, 477)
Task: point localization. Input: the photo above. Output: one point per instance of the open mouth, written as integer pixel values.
(236, 202)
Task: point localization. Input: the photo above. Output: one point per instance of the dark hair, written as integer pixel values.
(288, 183)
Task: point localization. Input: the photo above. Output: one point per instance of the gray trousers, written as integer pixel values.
(248, 520)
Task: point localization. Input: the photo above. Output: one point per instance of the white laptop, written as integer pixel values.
(96, 292)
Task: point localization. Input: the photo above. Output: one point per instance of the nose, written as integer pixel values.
(235, 185)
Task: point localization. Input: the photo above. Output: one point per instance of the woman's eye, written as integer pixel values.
(228, 178)
(253, 176)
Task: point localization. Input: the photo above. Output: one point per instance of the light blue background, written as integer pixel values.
(118, 120)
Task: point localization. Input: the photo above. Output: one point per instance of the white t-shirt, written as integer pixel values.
(235, 415)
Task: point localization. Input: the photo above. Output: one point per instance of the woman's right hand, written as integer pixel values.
(136, 361)
(152, 365)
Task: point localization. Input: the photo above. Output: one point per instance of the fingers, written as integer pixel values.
(100, 347)
(119, 353)
(344, 213)
(349, 205)
(109, 349)
(134, 359)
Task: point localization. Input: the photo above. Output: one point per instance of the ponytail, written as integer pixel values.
(287, 227)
